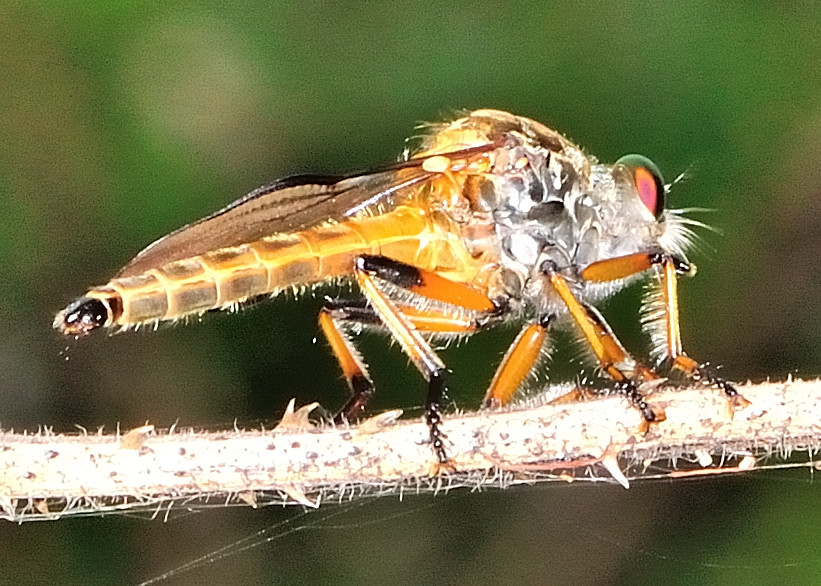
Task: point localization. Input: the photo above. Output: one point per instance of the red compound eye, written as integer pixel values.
(648, 180)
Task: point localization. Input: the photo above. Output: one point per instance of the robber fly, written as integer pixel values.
(493, 218)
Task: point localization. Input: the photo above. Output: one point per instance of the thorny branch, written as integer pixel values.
(47, 476)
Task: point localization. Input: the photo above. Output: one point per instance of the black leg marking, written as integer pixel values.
(400, 274)
(433, 415)
(362, 315)
(704, 374)
(630, 390)
(332, 303)
(361, 393)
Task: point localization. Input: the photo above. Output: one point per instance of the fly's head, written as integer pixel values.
(623, 213)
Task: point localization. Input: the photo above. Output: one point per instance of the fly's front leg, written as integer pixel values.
(661, 315)
(611, 355)
(405, 324)
(662, 304)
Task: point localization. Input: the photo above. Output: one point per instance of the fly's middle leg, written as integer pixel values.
(334, 320)
(517, 363)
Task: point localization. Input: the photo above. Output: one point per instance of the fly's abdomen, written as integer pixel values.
(223, 278)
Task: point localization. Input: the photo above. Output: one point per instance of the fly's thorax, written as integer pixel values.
(524, 197)
(553, 210)
(579, 219)
(532, 198)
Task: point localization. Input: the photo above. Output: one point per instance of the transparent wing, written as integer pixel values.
(287, 205)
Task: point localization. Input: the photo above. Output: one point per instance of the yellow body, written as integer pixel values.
(497, 217)
(225, 277)
(428, 211)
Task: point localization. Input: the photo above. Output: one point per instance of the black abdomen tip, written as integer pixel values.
(82, 316)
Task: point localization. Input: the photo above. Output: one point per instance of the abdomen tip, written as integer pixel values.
(82, 316)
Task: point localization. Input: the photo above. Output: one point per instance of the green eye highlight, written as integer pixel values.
(648, 180)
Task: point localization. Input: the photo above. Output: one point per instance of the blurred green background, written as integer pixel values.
(121, 121)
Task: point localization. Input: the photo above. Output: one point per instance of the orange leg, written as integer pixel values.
(664, 308)
(680, 361)
(413, 344)
(334, 320)
(611, 355)
(517, 364)
(435, 321)
(406, 322)
(425, 283)
(330, 321)
(618, 268)
(621, 267)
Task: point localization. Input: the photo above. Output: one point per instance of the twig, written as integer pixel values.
(47, 476)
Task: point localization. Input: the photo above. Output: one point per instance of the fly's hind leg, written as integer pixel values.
(331, 321)
(430, 304)
(338, 317)
(334, 320)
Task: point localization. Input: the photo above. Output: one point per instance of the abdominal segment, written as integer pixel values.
(223, 278)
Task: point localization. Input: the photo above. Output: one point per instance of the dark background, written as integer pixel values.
(121, 121)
